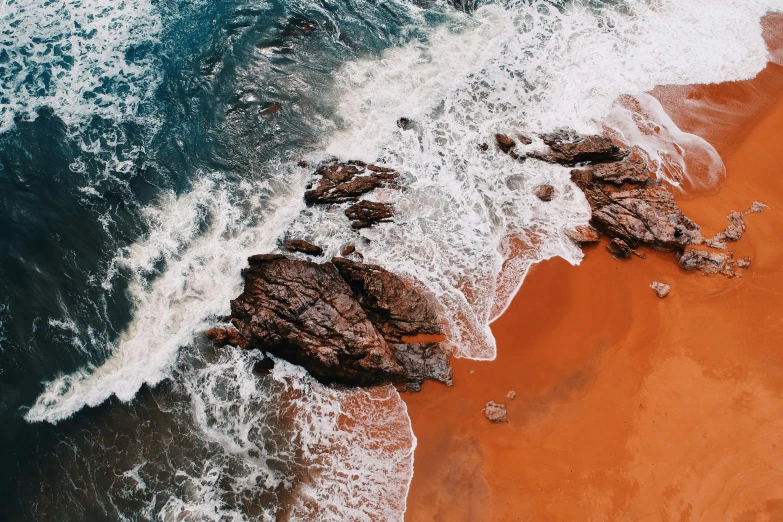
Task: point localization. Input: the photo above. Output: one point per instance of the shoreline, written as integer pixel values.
(627, 406)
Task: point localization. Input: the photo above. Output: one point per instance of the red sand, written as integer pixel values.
(630, 407)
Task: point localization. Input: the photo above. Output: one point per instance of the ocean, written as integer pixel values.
(147, 148)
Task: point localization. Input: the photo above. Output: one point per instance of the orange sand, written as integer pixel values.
(628, 407)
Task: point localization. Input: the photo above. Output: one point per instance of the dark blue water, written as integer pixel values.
(235, 85)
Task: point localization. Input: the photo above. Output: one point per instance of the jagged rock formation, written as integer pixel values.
(712, 262)
(345, 322)
(633, 209)
(300, 245)
(341, 182)
(570, 148)
(367, 213)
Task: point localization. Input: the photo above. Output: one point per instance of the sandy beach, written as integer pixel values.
(631, 407)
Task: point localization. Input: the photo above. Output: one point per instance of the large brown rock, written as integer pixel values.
(345, 329)
(584, 235)
(713, 262)
(570, 148)
(630, 170)
(640, 215)
(341, 182)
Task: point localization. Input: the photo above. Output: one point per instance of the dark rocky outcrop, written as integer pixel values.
(350, 249)
(405, 123)
(344, 322)
(570, 148)
(367, 213)
(300, 245)
(341, 182)
(224, 336)
(545, 192)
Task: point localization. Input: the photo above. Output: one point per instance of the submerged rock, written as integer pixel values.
(300, 245)
(545, 192)
(341, 182)
(660, 289)
(367, 213)
(342, 321)
(495, 412)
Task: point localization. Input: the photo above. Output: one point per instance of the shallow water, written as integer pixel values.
(142, 159)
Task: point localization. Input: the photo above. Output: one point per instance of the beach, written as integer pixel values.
(631, 407)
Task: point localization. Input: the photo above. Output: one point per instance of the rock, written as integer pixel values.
(484, 147)
(505, 143)
(396, 306)
(660, 289)
(569, 148)
(342, 321)
(226, 336)
(545, 192)
(630, 170)
(583, 235)
(341, 182)
(495, 412)
(619, 249)
(644, 215)
(712, 262)
(300, 245)
(511, 394)
(263, 366)
(523, 139)
(272, 108)
(350, 249)
(367, 213)
(404, 124)
(756, 207)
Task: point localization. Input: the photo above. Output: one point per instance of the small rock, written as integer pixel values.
(405, 123)
(545, 192)
(583, 235)
(523, 139)
(495, 412)
(350, 249)
(660, 289)
(272, 108)
(511, 394)
(263, 366)
(505, 143)
(756, 207)
(619, 249)
(743, 262)
(484, 147)
(300, 245)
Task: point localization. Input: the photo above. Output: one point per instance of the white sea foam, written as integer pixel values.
(348, 454)
(76, 57)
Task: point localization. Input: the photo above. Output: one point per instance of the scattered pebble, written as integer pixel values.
(511, 394)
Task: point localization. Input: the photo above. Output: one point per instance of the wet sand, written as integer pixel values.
(630, 407)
